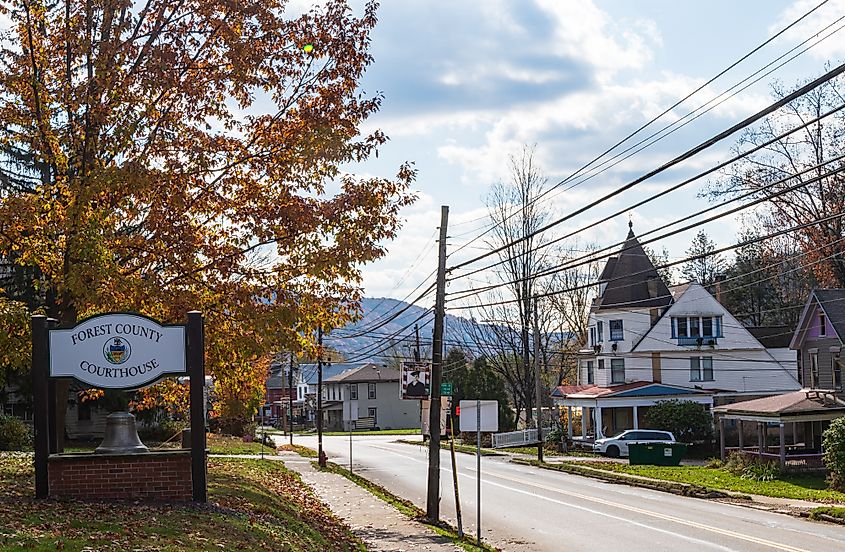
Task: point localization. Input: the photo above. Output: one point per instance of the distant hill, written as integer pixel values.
(377, 311)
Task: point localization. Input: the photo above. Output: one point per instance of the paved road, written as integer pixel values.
(526, 508)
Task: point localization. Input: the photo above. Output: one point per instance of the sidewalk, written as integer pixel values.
(377, 523)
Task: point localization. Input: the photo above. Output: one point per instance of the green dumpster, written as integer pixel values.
(656, 454)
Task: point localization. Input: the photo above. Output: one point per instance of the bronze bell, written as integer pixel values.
(121, 435)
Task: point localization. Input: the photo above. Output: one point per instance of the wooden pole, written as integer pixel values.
(432, 508)
(196, 371)
(41, 407)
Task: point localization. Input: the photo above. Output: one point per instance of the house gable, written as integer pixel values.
(697, 301)
(831, 302)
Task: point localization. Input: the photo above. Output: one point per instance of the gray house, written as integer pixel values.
(367, 396)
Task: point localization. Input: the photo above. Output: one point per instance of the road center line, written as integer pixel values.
(665, 517)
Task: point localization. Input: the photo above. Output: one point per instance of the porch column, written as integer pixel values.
(636, 419)
(599, 431)
(741, 436)
(760, 440)
(722, 439)
(782, 445)
(584, 421)
(569, 422)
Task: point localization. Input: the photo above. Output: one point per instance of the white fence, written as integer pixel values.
(521, 438)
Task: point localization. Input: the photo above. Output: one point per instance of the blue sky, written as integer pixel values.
(468, 83)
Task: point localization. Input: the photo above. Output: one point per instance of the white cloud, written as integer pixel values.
(831, 47)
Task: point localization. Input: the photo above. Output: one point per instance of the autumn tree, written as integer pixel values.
(167, 156)
(800, 176)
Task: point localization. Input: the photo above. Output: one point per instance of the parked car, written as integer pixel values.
(618, 445)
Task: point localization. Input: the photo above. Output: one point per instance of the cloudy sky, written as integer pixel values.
(468, 83)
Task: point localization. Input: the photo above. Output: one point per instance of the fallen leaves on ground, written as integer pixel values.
(253, 505)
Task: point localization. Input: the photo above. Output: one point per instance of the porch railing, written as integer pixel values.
(521, 438)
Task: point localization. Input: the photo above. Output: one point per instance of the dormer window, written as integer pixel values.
(822, 325)
(697, 330)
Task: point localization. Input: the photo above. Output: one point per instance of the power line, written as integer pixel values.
(679, 159)
(678, 103)
(590, 258)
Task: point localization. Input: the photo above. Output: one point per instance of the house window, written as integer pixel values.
(822, 325)
(83, 411)
(837, 362)
(592, 336)
(617, 370)
(696, 330)
(591, 376)
(353, 392)
(600, 331)
(701, 369)
(616, 330)
(372, 412)
(800, 370)
(371, 391)
(814, 370)
(601, 364)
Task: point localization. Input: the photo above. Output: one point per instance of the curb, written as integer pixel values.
(682, 489)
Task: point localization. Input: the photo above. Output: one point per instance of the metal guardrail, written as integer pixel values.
(521, 438)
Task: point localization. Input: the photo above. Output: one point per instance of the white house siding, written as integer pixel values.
(740, 363)
(635, 324)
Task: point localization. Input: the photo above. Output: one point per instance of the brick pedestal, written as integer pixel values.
(164, 476)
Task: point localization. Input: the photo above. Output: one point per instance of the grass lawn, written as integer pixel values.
(797, 486)
(254, 506)
(216, 443)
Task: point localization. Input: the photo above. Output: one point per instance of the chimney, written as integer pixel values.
(652, 287)
(718, 281)
(655, 315)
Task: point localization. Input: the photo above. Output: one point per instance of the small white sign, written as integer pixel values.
(489, 416)
(667, 451)
(117, 351)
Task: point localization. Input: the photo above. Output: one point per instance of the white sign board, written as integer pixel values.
(117, 351)
(489, 416)
(416, 381)
(350, 411)
(425, 412)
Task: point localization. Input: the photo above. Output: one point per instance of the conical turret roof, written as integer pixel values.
(629, 279)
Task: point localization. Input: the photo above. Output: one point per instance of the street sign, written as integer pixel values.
(446, 388)
(489, 416)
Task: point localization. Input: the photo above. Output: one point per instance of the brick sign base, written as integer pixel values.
(154, 476)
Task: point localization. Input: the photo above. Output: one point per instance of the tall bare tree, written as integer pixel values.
(516, 213)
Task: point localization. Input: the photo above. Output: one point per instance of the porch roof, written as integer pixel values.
(639, 389)
(803, 405)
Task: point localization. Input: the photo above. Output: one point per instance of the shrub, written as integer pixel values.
(161, 431)
(14, 434)
(761, 471)
(833, 443)
(737, 463)
(687, 420)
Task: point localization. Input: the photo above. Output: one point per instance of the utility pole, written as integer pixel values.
(538, 383)
(290, 398)
(321, 457)
(433, 496)
(417, 349)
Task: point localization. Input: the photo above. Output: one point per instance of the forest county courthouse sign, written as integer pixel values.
(123, 351)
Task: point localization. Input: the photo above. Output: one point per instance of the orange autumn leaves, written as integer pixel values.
(177, 156)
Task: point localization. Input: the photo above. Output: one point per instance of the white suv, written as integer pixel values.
(618, 445)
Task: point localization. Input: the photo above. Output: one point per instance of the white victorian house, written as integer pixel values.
(649, 343)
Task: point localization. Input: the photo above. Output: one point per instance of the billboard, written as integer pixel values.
(415, 383)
